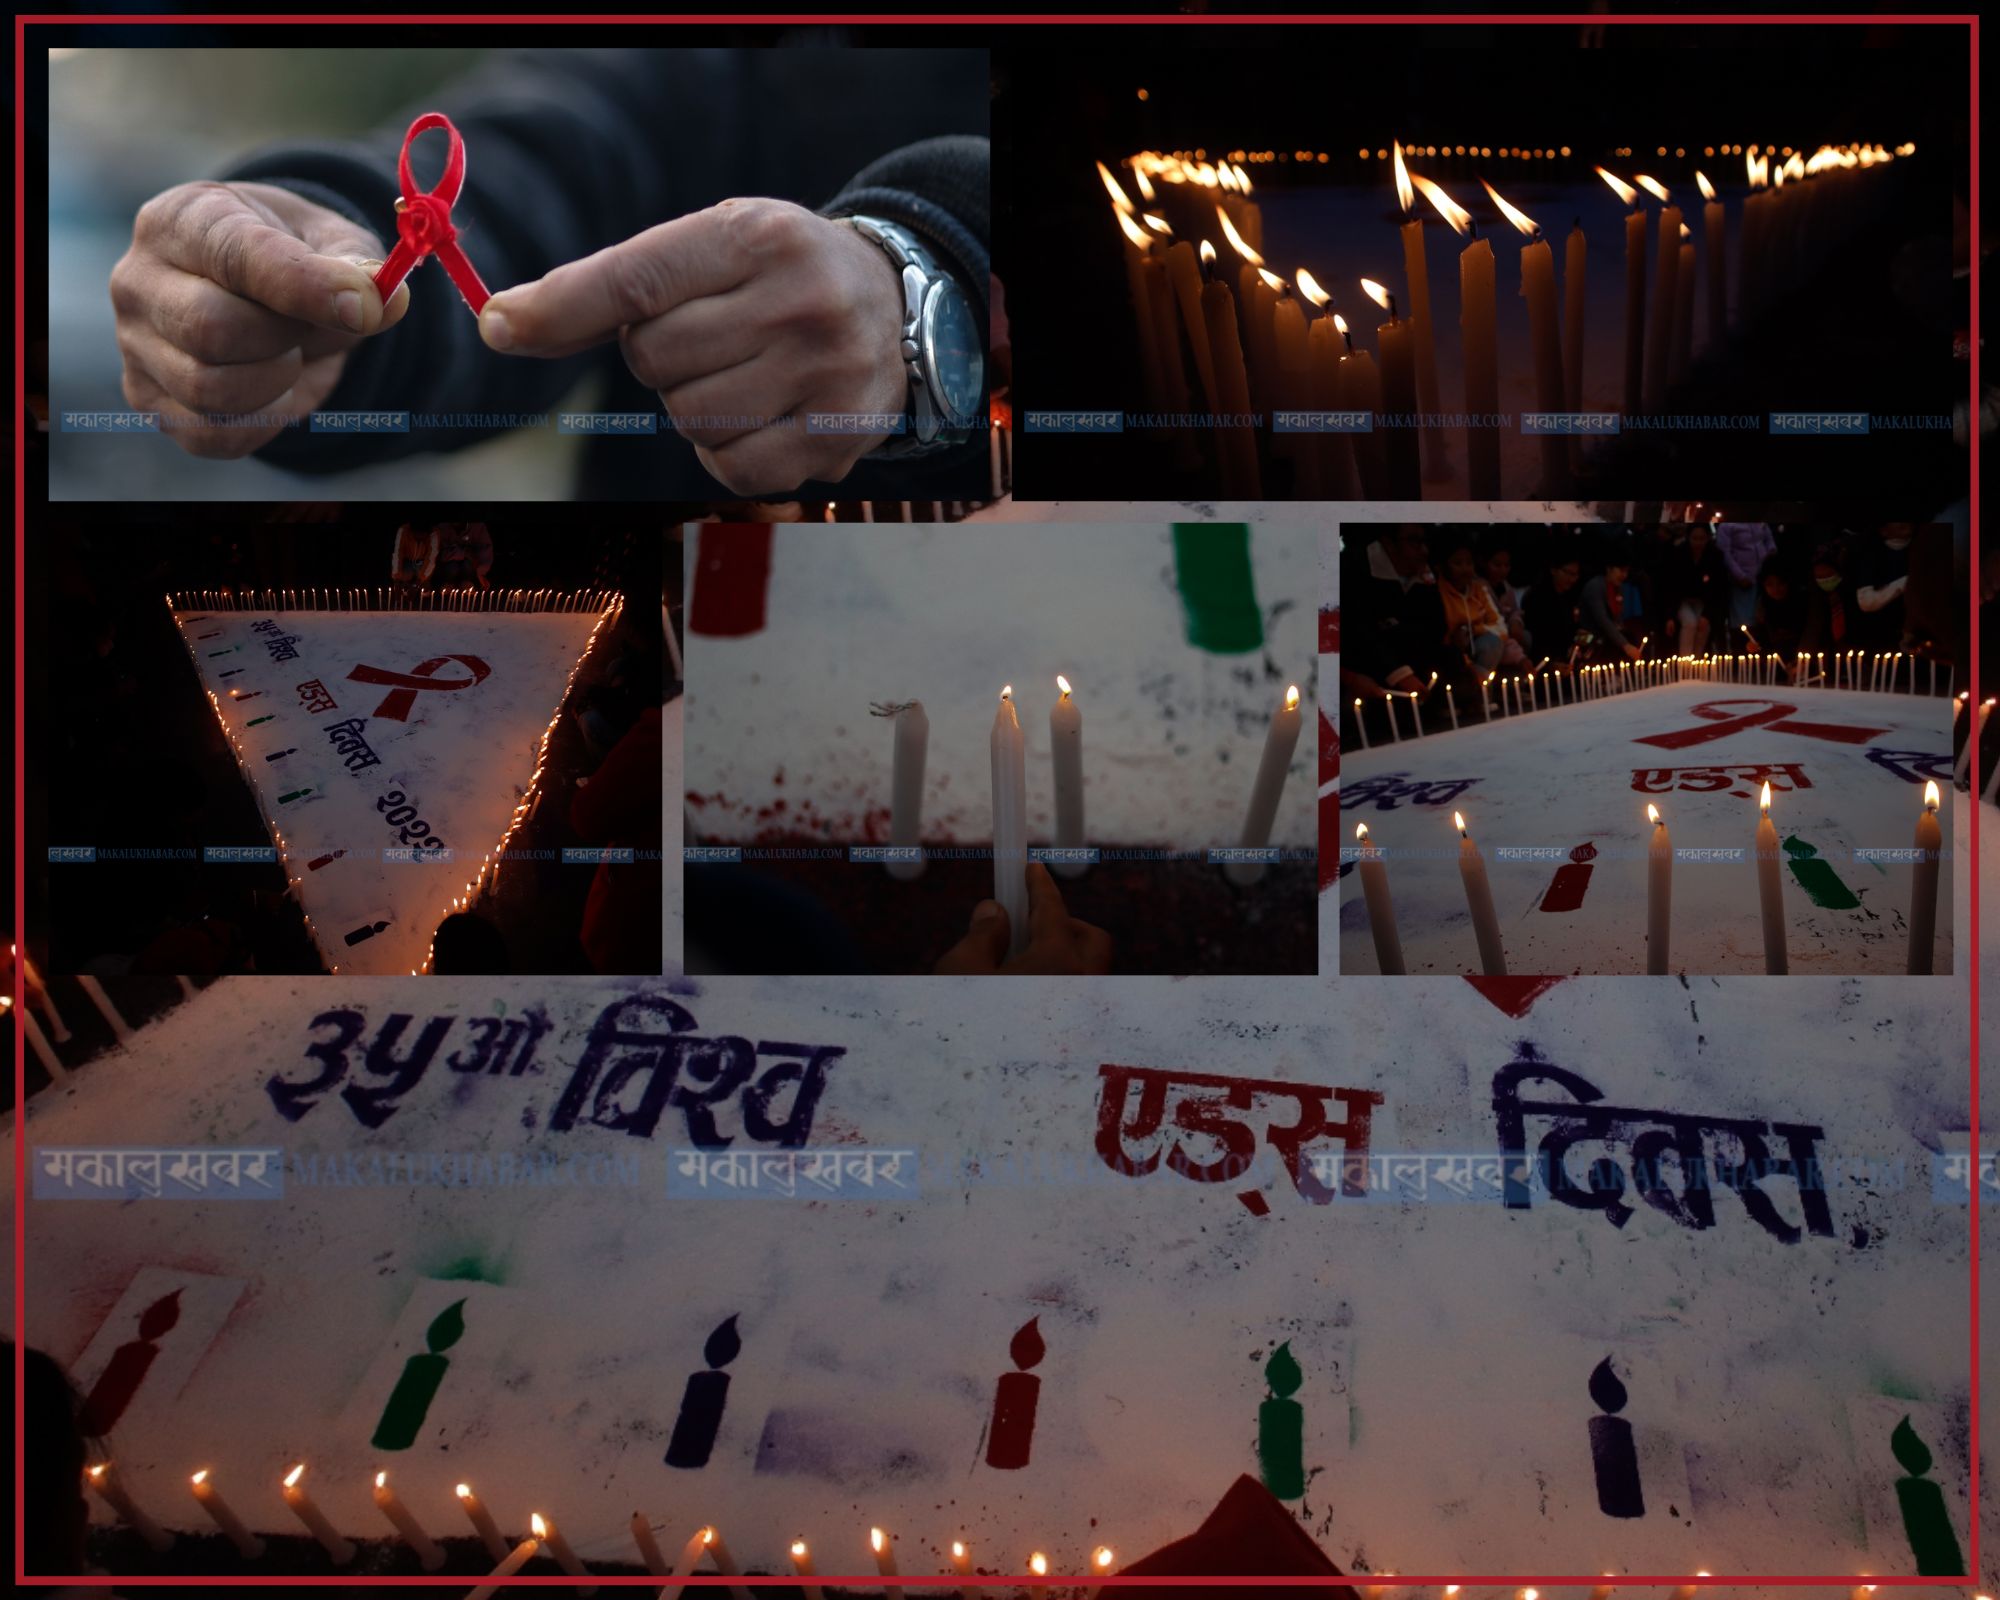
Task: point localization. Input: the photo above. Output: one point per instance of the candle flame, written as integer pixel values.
(1103, 1558)
(798, 1548)
(1624, 190)
(1242, 180)
(1133, 232)
(1403, 191)
(1236, 239)
(1375, 292)
(1119, 198)
(1520, 219)
(1686, 231)
(96, 1471)
(1038, 1564)
(1707, 188)
(1207, 254)
(875, 1540)
(1458, 821)
(1757, 170)
(1145, 187)
(201, 1476)
(1225, 177)
(1653, 815)
(292, 1477)
(1931, 795)
(1531, 1594)
(381, 1480)
(1361, 830)
(1062, 683)
(1157, 224)
(1309, 287)
(1292, 698)
(957, 1550)
(1652, 186)
(1272, 281)
(1765, 802)
(708, 1536)
(1448, 208)
(463, 1491)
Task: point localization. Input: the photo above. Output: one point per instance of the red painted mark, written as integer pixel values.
(128, 1366)
(1329, 749)
(1329, 839)
(1774, 716)
(732, 573)
(1255, 1203)
(1566, 888)
(1012, 1434)
(1329, 632)
(405, 686)
(1513, 995)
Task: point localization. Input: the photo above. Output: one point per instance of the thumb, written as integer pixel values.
(984, 946)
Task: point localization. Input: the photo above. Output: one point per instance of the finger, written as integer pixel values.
(190, 431)
(203, 318)
(713, 411)
(582, 303)
(774, 459)
(692, 341)
(984, 946)
(1048, 918)
(220, 236)
(201, 385)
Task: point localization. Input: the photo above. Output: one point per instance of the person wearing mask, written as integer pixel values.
(1745, 547)
(1697, 584)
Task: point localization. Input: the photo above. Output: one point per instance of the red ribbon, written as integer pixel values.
(423, 221)
(406, 684)
(1775, 716)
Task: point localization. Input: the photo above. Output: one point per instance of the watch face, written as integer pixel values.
(958, 363)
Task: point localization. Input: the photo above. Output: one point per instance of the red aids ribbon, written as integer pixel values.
(424, 220)
(1775, 716)
(406, 684)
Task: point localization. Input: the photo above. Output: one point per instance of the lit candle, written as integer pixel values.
(1715, 228)
(1769, 898)
(1396, 349)
(1682, 355)
(1635, 292)
(1688, 1591)
(1964, 763)
(1451, 705)
(1602, 1591)
(1184, 273)
(104, 1479)
(1292, 385)
(1479, 900)
(703, 1541)
(1477, 330)
(1659, 892)
(1102, 1560)
(1924, 883)
(1862, 1591)
(1538, 283)
(1416, 716)
(248, 1545)
(1066, 762)
(1575, 256)
(885, 1561)
(1361, 723)
(961, 1563)
(1236, 440)
(1010, 821)
(649, 1547)
(558, 1547)
(1253, 306)
(1324, 354)
(906, 785)
(1360, 389)
(429, 1556)
(1381, 909)
(802, 1566)
(1281, 738)
(517, 1558)
(1666, 287)
(1038, 1564)
(1135, 284)
(1417, 281)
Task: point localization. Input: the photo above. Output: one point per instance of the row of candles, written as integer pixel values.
(93, 989)
(394, 597)
(1374, 873)
(1008, 756)
(1961, 770)
(1255, 350)
(706, 1543)
(1877, 671)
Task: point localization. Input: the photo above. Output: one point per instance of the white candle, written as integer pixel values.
(1688, 1591)
(1066, 763)
(1861, 1591)
(1381, 909)
(340, 1550)
(1602, 1591)
(1451, 704)
(1010, 821)
(1416, 716)
(1038, 1564)
(1963, 766)
(1389, 702)
(121, 1030)
(519, 1557)
(429, 1556)
(1659, 892)
(961, 1563)
(802, 1566)
(39, 1043)
(906, 785)
(1924, 883)
(1102, 1560)
(248, 1545)
(558, 1546)
(725, 1563)
(885, 1561)
(1361, 722)
(1479, 900)
(1281, 738)
(482, 1521)
(56, 1024)
(1769, 898)
(104, 1479)
(701, 1542)
(649, 1547)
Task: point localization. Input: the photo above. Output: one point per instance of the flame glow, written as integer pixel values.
(1624, 190)
(1404, 193)
(201, 1476)
(1134, 234)
(1652, 186)
(1273, 282)
(1339, 324)
(1931, 795)
(1062, 683)
(1038, 1564)
(1520, 219)
(1375, 292)
(1653, 814)
(875, 1540)
(1207, 254)
(536, 1526)
(1361, 831)
(463, 1491)
(292, 1477)
(1707, 188)
(1157, 224)
(1765, 801)
(1007, 692)
(1236, 239)
(1309, 287)
(1458, 821)
(1119, 197)
(798, 1548)
(1448, 208)
(1103, 1558)
(1292, 698)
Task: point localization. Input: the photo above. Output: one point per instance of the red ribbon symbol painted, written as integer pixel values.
(406, 684)
(1774, 716)
(423, 221)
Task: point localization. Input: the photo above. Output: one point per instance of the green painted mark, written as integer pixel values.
(1820, 882)
(417, 1388)
(1926, 1523)
(1281, 1428)
(469, 1269)
(256, 721)
(1218, 590)
(296, 794)
(229, 652)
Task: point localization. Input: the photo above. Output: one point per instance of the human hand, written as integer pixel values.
(237, 298)
(749, 314)
(1057, 942)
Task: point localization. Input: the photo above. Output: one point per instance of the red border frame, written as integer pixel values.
(871, 1579)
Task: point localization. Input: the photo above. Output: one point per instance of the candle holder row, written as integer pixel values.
(392, 597)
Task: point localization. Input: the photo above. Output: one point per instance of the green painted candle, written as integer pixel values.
(1217, 587)
(1926, 1523)
(1281, 1428)
(296, 794)
(254, 721)
(1820, 882)
(411, 1399)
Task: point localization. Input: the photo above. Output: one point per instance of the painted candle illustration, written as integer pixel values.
(1612, 1449)
(1926, 1523)
(128, 1366)
(411, 1399)
(1820, 882)
(1281, 1427)
(1012, 1434)
(703, 1399)
(1566, 889)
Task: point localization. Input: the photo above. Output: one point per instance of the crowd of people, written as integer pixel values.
(1437, 609)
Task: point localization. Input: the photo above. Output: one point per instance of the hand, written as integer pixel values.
(739, 316)
(1057, 942)
(237, 298)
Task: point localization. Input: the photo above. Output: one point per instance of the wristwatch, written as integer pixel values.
(940, 345)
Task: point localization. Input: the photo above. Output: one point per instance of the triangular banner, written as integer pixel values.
(391, 752)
